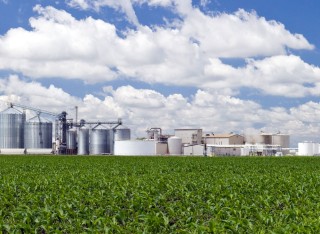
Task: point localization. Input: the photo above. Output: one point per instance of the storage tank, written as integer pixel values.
(38, 133)
(305, 149)
(110, 141)
(281, 139)
(12, 128)
(315, 148)
(71, 139)
(83, 141)
(254, 139)
(99, 141)
(175, 145)
(267, 139)
(138, 148)
(122, 134)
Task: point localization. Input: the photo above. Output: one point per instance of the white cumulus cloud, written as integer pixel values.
(190, 54)
(144, 108)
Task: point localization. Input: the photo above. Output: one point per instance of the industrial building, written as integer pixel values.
(189, 136)
(224, 139)
(35, 136)
(269, 139)
(39, 135)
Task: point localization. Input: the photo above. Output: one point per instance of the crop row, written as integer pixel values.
(159, 195)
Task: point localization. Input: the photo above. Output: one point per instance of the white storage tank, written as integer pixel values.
(38, 133)
(135, 148)
(315, 148)
(83, 141)
(175, 145)
(305, 149)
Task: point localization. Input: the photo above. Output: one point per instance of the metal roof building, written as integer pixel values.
(224, 139)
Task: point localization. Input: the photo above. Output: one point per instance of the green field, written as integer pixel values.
(56, 194)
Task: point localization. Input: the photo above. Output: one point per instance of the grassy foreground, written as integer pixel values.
(159, 195)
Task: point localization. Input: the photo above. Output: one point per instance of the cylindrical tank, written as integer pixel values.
(83, 141)
(254, 139)
(122, 134)
(175, 145)
(281, 139)
(71, 139)
(38, 133)
(267, 139)
(12, 128)
(315, 148)
(110, 141)
(305, 149)
(99, 141)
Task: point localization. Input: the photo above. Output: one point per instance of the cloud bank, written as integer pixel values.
(191, 50)
(189, 54)
(144, 108)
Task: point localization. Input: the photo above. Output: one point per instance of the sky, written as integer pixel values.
(241, 66)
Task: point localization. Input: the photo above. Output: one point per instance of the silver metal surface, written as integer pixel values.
(110, 141)
(71, 139)
(12, 128)
(38, 133)
(122, 134)
(99, 141)
(83, 141)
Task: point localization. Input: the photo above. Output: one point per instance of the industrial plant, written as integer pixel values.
(63, 136)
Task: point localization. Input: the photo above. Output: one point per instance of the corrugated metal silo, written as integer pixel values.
(38, 133)
(12, 128)
(83, 141)
(122, 134)
(99, 141)
(175, 145)
(71, 139)
(110, 141)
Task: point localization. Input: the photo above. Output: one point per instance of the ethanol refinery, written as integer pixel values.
(63, 136)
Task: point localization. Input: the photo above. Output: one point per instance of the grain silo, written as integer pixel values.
(99, 144)
(71, 141)
(122, 134)
(38, 133)
(83, 141)
(12, 128)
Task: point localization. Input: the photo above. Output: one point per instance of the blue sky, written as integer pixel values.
(234, 65)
